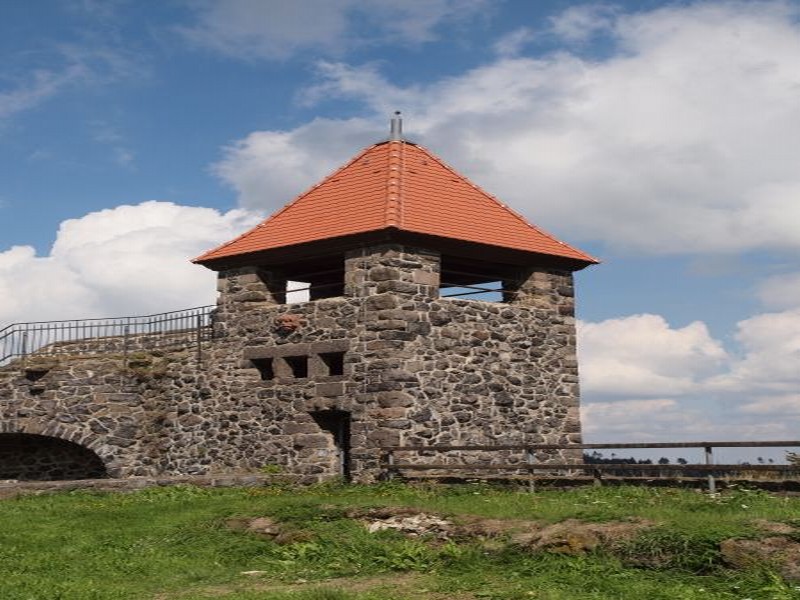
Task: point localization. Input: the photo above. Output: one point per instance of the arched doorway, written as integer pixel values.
(29, 457)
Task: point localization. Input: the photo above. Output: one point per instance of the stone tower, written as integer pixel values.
(393, 303)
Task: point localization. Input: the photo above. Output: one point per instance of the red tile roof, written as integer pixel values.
(396, 185)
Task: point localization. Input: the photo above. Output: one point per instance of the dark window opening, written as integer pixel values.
(298, 365)
(334, 361)
(476, 280)
(35, 374)
(264, 366)
(313, 280)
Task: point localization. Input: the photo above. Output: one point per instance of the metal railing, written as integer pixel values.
(527, 461)
(466, 284)
(188, 327)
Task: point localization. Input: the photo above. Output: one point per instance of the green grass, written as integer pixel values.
(172, 543)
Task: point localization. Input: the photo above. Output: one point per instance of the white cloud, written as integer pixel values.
(578, 24)
(269, 168)
(275, 30)
(682, 140)
(771, 355)
(115, 262)
(39, 86)
(780, 291)
(68, 66)
(513, 43)
(780, 405)
(642, 379)
(640, 420)
(641, 355)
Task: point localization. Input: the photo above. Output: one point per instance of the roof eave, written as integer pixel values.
(449, 246)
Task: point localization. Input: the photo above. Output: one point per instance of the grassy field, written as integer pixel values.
(174, 543)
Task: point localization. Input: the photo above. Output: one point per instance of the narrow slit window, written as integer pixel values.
(298, 365)
(334, 361)
(264, 366)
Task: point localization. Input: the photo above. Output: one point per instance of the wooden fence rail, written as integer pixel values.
(392, 467)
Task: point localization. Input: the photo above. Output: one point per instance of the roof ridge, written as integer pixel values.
(392, 185)
(286, 207)
(504, 206)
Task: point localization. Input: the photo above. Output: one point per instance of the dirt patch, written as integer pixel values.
(779, 553)
(577, 537)
(568, 537)
(775, 527)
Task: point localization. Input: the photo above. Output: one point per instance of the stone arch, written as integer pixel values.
(68, 438)
(32, 457)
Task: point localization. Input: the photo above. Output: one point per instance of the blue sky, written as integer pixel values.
(661, 136)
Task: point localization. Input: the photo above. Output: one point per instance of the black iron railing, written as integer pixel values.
(477, 286)
(101, 336)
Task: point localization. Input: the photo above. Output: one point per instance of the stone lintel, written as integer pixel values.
(296, 349)
(331, 388)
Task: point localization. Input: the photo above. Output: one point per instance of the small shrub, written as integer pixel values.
(271, 469)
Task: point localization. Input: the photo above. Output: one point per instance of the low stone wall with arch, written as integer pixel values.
(31, 457)
(34, 450)
(79, 417)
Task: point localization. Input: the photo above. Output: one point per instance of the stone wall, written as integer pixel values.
(273, 387)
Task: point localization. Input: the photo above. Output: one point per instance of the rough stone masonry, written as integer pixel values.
(375, 356)
(286, 386)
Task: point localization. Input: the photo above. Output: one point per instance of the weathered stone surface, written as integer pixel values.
(417, 369)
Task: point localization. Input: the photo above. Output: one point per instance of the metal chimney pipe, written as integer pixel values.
(396, 127)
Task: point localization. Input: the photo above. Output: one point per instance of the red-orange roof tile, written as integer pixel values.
(397, 185)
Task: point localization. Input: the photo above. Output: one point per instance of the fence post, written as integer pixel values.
(530, 458)
(199, 327)
(712, 484)
(125, 333)
(597, 478)
(24, 346)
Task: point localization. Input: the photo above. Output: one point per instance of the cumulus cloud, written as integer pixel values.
(269, 168)
(121, 261)
(681, 140)
(643, 379)
(770, 355)
(275, 30)
(641, 355)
